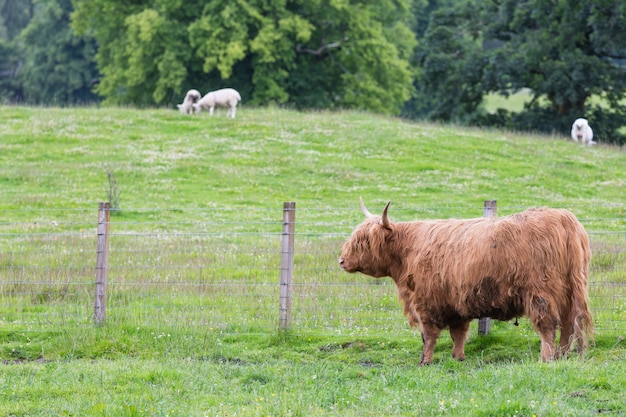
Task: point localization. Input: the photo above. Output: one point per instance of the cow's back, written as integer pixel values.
(490, 266)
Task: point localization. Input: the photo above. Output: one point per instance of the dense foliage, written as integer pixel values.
(563, 52)
(14, 16)
(41, 59)
(305, 53)
(59, 66)
(427, 59)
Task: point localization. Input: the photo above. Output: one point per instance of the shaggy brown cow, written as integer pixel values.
(448, 272)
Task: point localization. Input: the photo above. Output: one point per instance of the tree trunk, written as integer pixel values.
(569, 106)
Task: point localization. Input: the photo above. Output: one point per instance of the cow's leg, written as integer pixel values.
(545, 320)
(211, 110)
(233, 110)
(430, 334)
(459, 334)
(565, 341)
(547, 345)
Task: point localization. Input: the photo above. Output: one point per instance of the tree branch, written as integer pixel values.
(319, 51)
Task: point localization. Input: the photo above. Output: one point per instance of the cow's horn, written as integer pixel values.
(365, 210)
(385, 219)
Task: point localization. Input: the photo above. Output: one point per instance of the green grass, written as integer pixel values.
(515, 102)
(188, 183)
(196, 374)
(57, 158)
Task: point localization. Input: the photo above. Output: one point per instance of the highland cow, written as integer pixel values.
(448, 272)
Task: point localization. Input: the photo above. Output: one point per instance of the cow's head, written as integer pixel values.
(366, 251)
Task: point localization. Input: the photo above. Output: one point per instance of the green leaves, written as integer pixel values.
(58, 66)
(325, 53)
(297, 27)
(142, 46)
(559, 51)
(220, 40)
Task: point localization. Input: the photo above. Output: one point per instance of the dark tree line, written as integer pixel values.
(42, 60)
(422, 59)
(570, 55)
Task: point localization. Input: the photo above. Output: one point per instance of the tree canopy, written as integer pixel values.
(59, 66)
(14, 16)
(563, 52)
(432, 59)
(41, 59)
(308, 53)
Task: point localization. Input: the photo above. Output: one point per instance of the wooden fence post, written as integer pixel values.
(286, 264)
(102, 262)
(489, 210)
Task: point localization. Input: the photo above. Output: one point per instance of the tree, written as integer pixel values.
(563, 51)
(14, 16)
(450, 58)
(143, 51)
(10, 64)
(318, 53)
(59, 66)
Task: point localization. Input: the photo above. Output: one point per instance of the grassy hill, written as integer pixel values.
(52, 158)
(169, 167)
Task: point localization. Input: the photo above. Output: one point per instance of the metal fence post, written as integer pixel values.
(102, 262)
(286, 264)
(489, 210)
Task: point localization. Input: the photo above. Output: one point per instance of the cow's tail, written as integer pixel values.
(582, 321)
(581, 318)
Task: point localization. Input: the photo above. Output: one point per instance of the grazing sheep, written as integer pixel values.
(226, 97)
(582, 133)
(192, 97)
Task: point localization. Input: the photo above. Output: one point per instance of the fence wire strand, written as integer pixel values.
(223, 274)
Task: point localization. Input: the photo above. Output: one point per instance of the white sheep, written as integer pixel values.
(582, 133)
(226, 97)
(192, 97)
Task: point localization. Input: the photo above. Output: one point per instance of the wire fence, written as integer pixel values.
(202, 268)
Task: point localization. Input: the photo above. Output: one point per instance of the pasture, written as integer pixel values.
(192, 327)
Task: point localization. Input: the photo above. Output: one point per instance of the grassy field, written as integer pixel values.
(516, 101)
(175, 172)
(58, 158)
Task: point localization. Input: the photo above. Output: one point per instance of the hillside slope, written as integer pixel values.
(54, 158)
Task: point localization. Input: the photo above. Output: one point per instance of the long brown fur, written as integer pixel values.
(448, 272)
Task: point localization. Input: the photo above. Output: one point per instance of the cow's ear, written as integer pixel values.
(384, 220)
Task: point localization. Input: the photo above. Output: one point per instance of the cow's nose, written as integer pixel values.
(341, 262)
